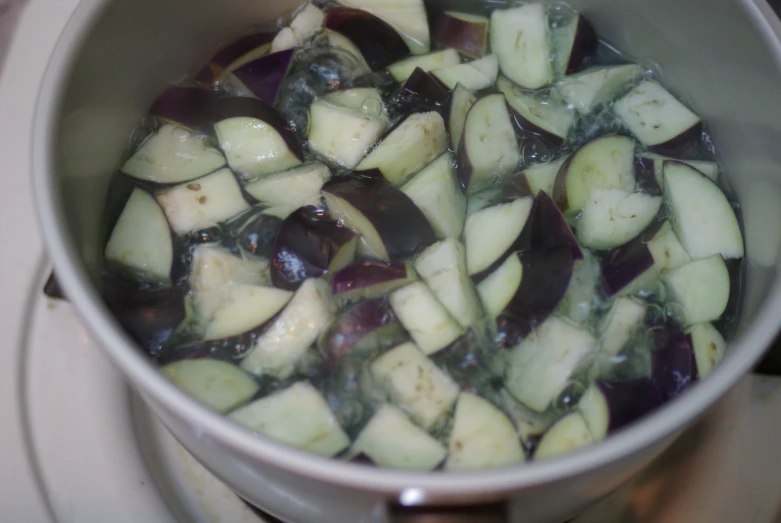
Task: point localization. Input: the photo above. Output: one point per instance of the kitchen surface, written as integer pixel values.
(77, 446)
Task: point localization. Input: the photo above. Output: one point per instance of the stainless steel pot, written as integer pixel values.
(114, 57)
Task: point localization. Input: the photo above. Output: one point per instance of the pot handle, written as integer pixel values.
(486, 513)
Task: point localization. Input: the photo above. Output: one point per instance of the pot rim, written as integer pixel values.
(413, 487)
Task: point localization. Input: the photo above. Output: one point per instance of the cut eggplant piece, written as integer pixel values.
(310, 245)
(585, 91)
(293, 188)
(437, 194)
(297, 416)
(254, 137)
(255, 231)
(520, 38)
(583, 294)
(140, 244)
(173, 155)
(402, 69)
(482, 436)
(415, 384)
(573, 43)
(546, 277)
(443, 267)
(278, 349)
(612, 217)
(488, 147)
(412, 145)
(339, 41)
(623, 319)
(360, 331)
(307, 22)
(709, 169)
(701, 287)
(219, 385)
(475, 75)
(234, 55)
(548, 227)
(202, 203)
(186, 106)
(645, 177)
(701, 215)
(391, 440)
(539, 368)
(407, 17)
(461, 100)
(364, 99)
(245, 308)
(342, 135)
(541, 115)
(421, 93)
(538, 177)
(464, 32)
(673, 364)
(568, 434)
(658, 120)
(394, 230)
(606, 162)
(428, 322)
(709, 348)
(261, 78)
(607, 406)
(498, 288)
(491, 233)
(368, 279)
(378, 42)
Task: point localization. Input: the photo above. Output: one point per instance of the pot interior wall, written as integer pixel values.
(709, 50)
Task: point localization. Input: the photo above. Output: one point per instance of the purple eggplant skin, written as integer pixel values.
(646, 177)
(239, 106)
(673, 365)
(525, 127)
(468, 38)
(517, 186)
(264, 76)
(347, 331)
(686, 146)
(187, 106)
(549, 228)
(149, 316)
(422, 92)
(546, 276)
(367, 273)
(305, 246)
(629, 400)
(625, 263)
(584, 46)
(378, 42)
(400, 224)
(361, 459)
(230, 53)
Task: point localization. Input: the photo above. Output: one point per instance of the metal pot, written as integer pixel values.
(114, 56)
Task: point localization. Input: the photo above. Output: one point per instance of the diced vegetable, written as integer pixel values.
(583, 293)
(538, 369)
(219, 385)
(428, 322)
(573, 42)
(709, 348)
(701, 215)
(658, 120)
(260, 78)
(673, 365)
(498, 288)
(475, 75)
(549, 228)
(140, 243)
(278, 349)
(186, 106)
(394, 230)
(585, 91)
(408, 17)
(520, 38)
(362, 330)
(464, 32)
(402, 69)
(482, 436)
(568, 434)
(391, 440)
(379, 43)
(607, 406)
(619, 324)
(307, 22)
(415, 384)
(492, 232)
(236, 54)
(436, 192)
(702, 287)
(202, 203)
(172, 155)
(612, 217)
(709, 169)
(541, 115)
(245, 307)
(412, 145)
(460, 102)
(341, 42)
(443, 267)
(370, 279)
(539, 177)
(294, 188)
(341, 135)
(421, 93)
(297, 416)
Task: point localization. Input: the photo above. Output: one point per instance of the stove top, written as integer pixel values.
(78, 446)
